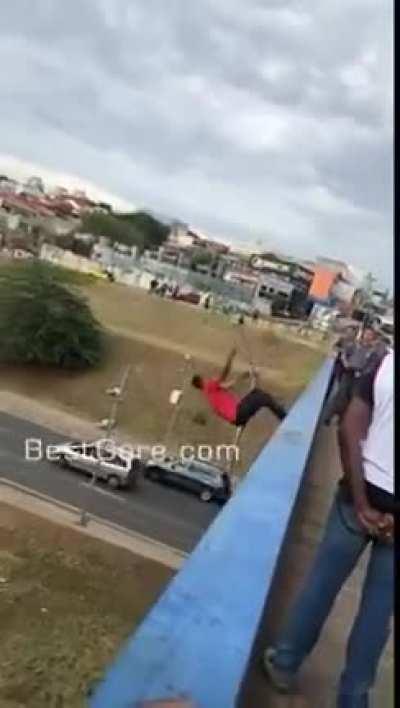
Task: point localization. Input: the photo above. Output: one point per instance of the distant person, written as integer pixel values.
(342, 349)
(230, 406)
(209, 301)
(381, 348)
(162, 289)
(255, 316)
(206, 301)
(361, 517)
(153, 285)
(363, 350)
(354, 359)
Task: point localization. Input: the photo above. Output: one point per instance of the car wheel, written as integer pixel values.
(113, 482)
(206, 495)
(153, 475)
(63, 461)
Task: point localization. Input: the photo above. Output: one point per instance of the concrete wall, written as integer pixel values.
(67, 259)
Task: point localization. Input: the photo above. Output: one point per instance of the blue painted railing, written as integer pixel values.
(197, 639)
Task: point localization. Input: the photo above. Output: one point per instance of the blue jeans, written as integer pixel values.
(341, 547)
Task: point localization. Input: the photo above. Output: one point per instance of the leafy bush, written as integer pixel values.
(43, 320)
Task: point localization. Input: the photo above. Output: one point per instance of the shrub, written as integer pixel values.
(43, 320)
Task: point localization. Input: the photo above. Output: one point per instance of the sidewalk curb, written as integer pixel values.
(67, 515)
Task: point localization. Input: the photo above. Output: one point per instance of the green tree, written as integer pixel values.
(114, 228)
(43, 320)
(132, 229)
(154, 232)
(201, 257)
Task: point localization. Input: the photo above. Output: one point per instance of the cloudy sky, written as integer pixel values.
(258, 121)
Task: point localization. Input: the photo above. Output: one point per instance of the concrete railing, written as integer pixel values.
(196, 641)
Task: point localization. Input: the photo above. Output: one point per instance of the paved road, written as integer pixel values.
(167, 515)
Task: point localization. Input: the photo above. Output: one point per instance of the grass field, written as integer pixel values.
(67, 602)
(153, 336)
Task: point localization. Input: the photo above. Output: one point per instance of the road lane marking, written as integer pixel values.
(89, 485)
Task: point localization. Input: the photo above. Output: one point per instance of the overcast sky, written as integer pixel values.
(263, 121)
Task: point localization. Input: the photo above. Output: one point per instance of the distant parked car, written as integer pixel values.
(188, 296)
(203, 479)
(110, 463)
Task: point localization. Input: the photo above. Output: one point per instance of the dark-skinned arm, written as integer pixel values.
(353, 431)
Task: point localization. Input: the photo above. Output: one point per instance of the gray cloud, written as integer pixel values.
(249, 119)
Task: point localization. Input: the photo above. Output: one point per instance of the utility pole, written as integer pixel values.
(117, 393)
(175, 414)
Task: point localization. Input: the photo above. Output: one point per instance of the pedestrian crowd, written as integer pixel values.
(356, 354)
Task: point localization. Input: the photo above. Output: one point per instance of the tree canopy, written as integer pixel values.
(132, 229)
(44, 320)
(201, 257)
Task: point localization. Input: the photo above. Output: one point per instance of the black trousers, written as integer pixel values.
(251, 404)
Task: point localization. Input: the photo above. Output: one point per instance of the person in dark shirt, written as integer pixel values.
(362, 351)
(355, 357)
(228, 405)
(380, 349)
(343, 348)
(361, 518)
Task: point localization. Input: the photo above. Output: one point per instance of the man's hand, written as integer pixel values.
(376, 523)
(386, 528)
(369, 518)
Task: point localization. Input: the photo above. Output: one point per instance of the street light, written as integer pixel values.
(108, 424)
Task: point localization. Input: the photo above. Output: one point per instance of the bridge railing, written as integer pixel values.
(196, 641)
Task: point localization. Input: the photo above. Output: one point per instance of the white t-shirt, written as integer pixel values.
(378, 447)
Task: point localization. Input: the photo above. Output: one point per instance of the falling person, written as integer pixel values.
(227, 404)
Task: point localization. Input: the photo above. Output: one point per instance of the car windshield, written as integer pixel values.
(76, 447)
(203, 469)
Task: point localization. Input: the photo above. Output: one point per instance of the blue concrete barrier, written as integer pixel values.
(197, 639)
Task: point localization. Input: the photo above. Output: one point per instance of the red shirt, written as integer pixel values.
(225, 403)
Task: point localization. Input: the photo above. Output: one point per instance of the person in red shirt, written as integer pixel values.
(228, 405)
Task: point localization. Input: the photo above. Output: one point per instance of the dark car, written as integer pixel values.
(206, 481)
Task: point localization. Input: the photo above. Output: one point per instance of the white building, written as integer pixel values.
(34, 186)
(67, 259)
(115, 256)
(181, 236)
(11, 186)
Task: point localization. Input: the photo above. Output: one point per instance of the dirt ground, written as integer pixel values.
(66, 602)
(153, 336)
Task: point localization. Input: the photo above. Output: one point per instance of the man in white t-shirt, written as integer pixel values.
(361, 516)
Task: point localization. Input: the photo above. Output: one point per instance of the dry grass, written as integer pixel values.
(153, 335)
(67, 601)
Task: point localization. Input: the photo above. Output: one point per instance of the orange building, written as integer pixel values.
(322, 283)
